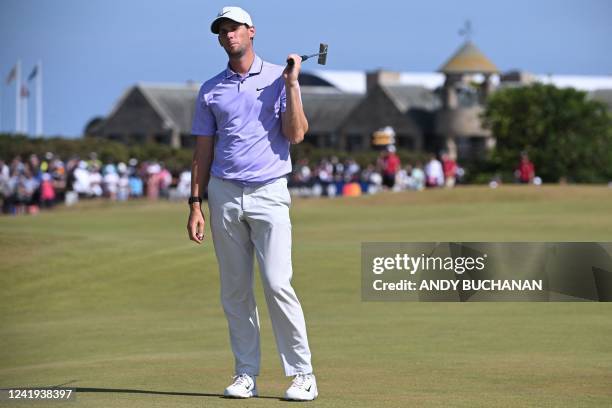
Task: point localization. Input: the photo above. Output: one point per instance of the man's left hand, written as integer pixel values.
(290, 74)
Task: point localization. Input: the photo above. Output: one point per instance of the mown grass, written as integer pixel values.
(114, 300)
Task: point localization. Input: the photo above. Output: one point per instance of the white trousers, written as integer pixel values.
(255, 220)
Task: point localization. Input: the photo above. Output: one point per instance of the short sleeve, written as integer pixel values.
(204, 123)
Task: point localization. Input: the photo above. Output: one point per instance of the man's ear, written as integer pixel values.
(251, 32)
(219, 39)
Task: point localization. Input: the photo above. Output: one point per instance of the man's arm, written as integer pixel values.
(294, 122)
(200, 175)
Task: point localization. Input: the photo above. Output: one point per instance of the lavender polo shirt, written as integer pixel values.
(244, 116)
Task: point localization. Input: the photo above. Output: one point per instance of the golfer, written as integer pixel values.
(245, 119)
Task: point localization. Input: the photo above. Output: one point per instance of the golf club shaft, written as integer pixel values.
(291, 62)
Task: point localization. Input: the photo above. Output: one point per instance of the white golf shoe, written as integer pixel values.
(303, 388)
(243, 386)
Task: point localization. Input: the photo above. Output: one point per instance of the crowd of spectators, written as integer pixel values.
(332, 177)
(28, 185)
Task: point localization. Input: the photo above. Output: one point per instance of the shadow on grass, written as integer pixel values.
(133, 391)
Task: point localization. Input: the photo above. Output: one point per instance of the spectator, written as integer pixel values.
(123, 188)
(352, 170)
(136, 186)
(434, 172)
(302, 173)
(184, 184)
(389, 163)
(165, 181)
(418, 177)
(47, 191)
(81, 181)
(526, 170)
(450, 170)
(404, 178)
(370, 180)
(337, 168)
(95, 179)
(34, 167)
(57, 170)
(110, 181)
(5, 187)
(152, 171)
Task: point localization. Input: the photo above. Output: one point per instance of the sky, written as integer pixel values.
(93, 50)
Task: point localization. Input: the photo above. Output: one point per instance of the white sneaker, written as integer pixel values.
(243, 386)
(303, 388)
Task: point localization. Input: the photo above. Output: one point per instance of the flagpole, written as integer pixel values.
(24, 101)
(18, 97)
(1, 108)
(39, 106)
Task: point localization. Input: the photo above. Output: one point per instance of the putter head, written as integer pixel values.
(323, 54)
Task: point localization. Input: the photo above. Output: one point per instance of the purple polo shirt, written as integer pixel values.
(244, 116)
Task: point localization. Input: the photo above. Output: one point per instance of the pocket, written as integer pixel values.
(278, 192)
(284, 191)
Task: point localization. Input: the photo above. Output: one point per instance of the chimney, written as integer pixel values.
(380, 77)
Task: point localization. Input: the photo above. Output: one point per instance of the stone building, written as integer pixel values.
(466, 87)
(158, 113)
(408, 109)
(162, 113)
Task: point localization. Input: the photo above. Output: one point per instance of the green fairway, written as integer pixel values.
(112, 299)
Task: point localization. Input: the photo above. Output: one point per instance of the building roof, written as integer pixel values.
(309, 79)
(327, 109)
(325, 106)
(411, 97)
(430, 80)
(468, 59)
(174, 103)
(355, 81)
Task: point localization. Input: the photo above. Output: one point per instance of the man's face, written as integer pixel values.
(235, 38)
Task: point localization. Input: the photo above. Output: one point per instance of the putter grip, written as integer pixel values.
(291, 61)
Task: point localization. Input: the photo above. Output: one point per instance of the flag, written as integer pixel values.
(24, 91)
(12, 75)
(33, 73)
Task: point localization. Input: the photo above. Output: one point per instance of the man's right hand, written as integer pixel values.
(195, 224)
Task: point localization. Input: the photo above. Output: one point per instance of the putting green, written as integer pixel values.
(112, 299)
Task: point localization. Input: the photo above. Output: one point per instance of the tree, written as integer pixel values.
(565, 134)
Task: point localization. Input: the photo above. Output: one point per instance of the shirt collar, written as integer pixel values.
(255, 69)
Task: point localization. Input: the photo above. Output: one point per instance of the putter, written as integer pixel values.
(322, 56)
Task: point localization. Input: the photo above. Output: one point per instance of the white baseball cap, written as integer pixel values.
(232, 13)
